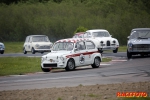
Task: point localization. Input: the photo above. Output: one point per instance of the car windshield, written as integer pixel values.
(101, 34)
(140, 34)
(40, 39)
(63, 46)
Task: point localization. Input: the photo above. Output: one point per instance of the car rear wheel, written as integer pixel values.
(70, 65)
(33, 51)
(2, 52)
(45, 69)
(24, 51)
(96, 63)
(115, 51)
(129, 55)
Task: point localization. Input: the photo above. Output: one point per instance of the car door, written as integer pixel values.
(90, 50)
(29, 44)
(80, 53)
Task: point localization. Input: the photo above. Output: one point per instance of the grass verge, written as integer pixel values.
(23, 65)
(16, 47)
(13, 47)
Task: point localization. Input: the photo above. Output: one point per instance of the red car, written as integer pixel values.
(78, 35)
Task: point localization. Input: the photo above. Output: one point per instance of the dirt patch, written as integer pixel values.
(91, 92)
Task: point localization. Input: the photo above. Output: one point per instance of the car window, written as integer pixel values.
(85, 35)
(29, 40)
(59, 46)
(140, 34)
(100, 34)
(90, 45)
(80, 45)
(89, 35)
(40, 39)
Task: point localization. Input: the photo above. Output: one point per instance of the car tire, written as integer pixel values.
(24, 51)
(115, 51)
(33, 51)
(96, 63)
(129, 55)
(70, 65)
(45, 69)
(2, 52)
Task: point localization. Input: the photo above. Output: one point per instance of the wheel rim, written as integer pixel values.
(71, 64)
(97, 61)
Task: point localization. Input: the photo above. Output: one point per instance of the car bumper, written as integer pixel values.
(47, 64)
(42, 50)
(109, 47)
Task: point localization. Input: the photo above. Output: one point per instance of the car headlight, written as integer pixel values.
(51, 45)
(130, 45)
(42, 59)
(101, 42)
(37, 45)
(62, 58)
(114, 41)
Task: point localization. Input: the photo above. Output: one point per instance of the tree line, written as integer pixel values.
(61, 18)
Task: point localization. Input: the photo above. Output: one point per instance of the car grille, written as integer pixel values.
(108, 43)
(44, 47)
(49, 65)
(141, 47)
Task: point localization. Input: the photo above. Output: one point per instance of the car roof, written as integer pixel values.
(135, 29)
(95, 30)
(73, 40)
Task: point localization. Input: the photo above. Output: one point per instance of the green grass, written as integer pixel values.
(19, 65)
(22, 65)
(13, 47)
(16, 47)
(122, 49)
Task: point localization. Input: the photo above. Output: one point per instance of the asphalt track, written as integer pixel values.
(119, 70)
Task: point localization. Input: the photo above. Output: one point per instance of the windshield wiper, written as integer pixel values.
(142, 37)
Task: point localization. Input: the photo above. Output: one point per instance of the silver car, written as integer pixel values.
(37, 43)
(138, 42)
(2, 47)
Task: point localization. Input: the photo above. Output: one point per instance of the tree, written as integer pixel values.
(80, 29)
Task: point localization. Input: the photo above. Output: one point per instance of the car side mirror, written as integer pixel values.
(128, 37)
(75, 49)
(110, 35)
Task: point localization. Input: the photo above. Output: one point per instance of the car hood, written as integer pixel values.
(140, 41)
(104, 38)
(54, 54)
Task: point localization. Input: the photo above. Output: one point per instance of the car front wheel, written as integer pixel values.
(115, 51)
(70, 65)
(2, 52)
(24, 51)
(129, 55)
(33, 51)
(45, 70)
(96, 63)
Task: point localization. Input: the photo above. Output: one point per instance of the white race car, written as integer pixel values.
(71, 53)
(103, 39)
